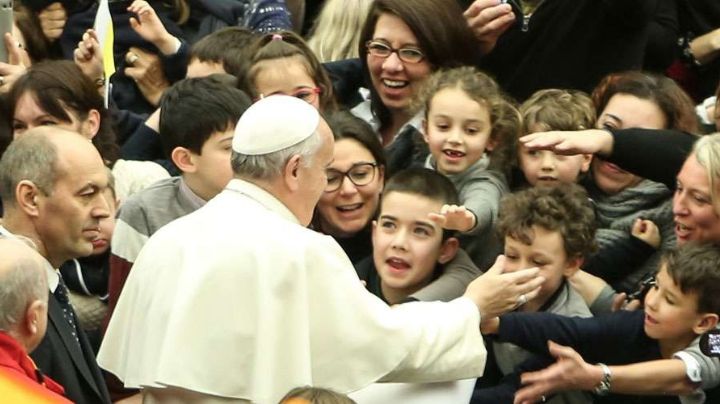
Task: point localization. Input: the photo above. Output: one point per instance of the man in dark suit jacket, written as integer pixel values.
(52, 181)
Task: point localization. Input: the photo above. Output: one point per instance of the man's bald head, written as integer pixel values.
(34, 157)
(23, 292)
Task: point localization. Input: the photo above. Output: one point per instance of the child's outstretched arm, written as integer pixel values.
(571, 372)
(454, 217)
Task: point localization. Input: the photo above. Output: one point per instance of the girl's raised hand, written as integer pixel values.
(453, 217)
(150, 28)
(88, 55)
(589, 141)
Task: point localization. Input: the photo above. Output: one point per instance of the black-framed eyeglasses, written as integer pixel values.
(383, 50)
(359, 174)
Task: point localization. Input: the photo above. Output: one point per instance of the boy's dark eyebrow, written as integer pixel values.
(427, 224)
(613, 117)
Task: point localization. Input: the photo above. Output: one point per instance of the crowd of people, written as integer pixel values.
(289, 201)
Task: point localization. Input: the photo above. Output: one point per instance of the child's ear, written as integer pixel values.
(448, 250)
(425, 131)
(586, 160)
(573, 265)
(491, 144)
(707, 322)
(183, 159)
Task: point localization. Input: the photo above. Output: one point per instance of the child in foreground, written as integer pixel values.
(551, 228)
(471, 129)
(683, 304)
(410, 249)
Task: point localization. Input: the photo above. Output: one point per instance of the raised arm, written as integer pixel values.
(657, 155)
(571, 372)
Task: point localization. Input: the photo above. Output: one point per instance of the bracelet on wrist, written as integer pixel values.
(603, 388)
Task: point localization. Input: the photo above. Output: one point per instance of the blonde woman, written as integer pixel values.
(336, 31)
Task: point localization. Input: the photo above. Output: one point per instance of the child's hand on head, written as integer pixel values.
(453, 217)
(646, 231)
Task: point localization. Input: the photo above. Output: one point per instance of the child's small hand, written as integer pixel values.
(453, 217)
(150, 28)
(88, 55)
(647, 231)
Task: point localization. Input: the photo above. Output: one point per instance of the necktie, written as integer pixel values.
(61, 294)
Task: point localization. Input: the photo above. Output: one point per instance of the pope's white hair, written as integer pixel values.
(269, 166)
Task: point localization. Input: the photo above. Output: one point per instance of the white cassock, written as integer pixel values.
(239, 300)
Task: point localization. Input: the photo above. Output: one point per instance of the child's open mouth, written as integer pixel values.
(397, 264)
(453, 154)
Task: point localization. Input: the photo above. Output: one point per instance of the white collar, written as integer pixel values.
(364, 112)
(262, 197)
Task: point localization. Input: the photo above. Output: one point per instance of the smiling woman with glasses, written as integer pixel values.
(401, 44)
(359, 174)
(383, 50)
(355, 181)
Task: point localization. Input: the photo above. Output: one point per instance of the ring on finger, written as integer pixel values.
(2, 80)
(522, 299)
(131, 58)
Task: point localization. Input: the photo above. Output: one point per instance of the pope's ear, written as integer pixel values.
(291, 172)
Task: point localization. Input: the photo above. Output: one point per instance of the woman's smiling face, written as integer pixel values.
(347, 210)
(395, 81)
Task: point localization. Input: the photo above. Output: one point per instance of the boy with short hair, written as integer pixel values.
(223, 51)
(548, 110)
(683, 304)
(197, 125)
(410, 249)
(551, 228)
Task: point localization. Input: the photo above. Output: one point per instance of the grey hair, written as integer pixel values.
(23, 283)
(31, 157)
(269, 166)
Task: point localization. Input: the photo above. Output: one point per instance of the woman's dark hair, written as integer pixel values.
(58, 85)
(441, 32)
(676, 105)
(345, 125)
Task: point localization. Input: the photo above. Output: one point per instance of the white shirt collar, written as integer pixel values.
(261, 196)
(364, 112)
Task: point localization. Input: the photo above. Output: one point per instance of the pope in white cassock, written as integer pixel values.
(240, 302)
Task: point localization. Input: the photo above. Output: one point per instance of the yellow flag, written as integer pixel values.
(104, 30)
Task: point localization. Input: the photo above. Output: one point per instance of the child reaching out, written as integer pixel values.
(470, 128)
(551, 228)
(411, 251)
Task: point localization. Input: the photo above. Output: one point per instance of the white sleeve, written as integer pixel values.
(700, 368)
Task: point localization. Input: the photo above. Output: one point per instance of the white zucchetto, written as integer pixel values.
(274, 123)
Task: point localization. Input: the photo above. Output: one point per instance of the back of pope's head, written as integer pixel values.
(283, 145)
(269, 133)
